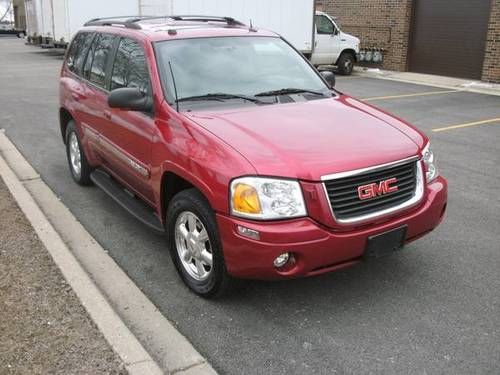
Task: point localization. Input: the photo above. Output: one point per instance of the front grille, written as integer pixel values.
(343, 192)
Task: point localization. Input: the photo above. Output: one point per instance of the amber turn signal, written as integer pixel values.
(246, 199)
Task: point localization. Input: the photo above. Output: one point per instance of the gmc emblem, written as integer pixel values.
(374, 190)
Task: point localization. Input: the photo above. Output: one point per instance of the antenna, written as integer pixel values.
(251, 28)
(175, 86)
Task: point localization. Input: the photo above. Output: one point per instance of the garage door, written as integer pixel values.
(448, 37)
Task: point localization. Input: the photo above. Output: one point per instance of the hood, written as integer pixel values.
(307, 140)
(349, 39)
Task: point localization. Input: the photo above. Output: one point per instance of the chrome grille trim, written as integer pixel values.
(412, 201)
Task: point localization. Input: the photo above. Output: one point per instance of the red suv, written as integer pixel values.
(226, 138)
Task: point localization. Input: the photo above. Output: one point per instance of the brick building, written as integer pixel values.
(448, 37)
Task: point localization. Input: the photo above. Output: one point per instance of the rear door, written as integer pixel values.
(75, 87)
(128, 137)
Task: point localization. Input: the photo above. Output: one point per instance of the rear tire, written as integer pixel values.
(345, 63)
(195, 246)
(78, 164)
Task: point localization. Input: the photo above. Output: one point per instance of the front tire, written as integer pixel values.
(345, 63)
(195, 246)
(78, 164)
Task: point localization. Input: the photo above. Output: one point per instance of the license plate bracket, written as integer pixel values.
(386, 243)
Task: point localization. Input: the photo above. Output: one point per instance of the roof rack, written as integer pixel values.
(127, 21)
(229, 20)
(132, 22)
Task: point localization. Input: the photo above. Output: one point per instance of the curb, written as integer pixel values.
(383, 74)
(136, 330)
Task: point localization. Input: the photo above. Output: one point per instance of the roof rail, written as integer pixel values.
(132, 22)
(228, 20)
(127, 21)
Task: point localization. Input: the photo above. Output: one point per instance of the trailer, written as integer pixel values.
(54, 22)
(70, 15)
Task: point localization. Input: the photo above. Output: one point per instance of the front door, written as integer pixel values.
(128, 137)
(327, 42)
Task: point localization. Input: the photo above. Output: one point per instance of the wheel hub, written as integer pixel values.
(193, 246)
(75, 155)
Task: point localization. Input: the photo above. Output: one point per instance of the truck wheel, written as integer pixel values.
(194, 244)
(345, 63)
(78, 164)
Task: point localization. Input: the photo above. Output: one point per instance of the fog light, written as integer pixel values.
(281, 260)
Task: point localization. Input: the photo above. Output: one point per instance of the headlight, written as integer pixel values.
(431, 171)
(266, 198)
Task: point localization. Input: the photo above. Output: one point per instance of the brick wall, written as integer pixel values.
(491, 65)
(386, 24)
(378, 23)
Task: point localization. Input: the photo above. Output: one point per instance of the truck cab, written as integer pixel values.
(332, 46)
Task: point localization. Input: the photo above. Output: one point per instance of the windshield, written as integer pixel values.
(238, 67)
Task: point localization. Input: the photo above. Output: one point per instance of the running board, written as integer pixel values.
(129, 202)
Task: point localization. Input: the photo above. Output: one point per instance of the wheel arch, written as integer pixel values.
(349, 51)
(173, 183)
(64, 118)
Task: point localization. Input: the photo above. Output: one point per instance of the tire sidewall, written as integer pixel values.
(84, 178)
(342, 69)
(191, 200)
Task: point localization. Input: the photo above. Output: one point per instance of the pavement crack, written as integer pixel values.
(175, 371)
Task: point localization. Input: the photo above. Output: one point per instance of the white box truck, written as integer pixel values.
(315, 34)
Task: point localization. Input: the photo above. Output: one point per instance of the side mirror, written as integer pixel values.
(329, 77)
(131, 99)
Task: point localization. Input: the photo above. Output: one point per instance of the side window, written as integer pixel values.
(324, 25)
(130, 67)
(78, 52)
(97, 60)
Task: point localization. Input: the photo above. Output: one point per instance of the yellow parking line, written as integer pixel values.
(410, 95)
(466, 125)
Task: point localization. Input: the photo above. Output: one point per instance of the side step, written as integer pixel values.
(132, 204)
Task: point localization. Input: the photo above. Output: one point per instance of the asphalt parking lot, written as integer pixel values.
(433, 308)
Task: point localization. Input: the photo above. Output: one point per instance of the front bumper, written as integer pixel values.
(317, 248)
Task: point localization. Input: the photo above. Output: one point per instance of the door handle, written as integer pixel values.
(107, 114)
(78, 96)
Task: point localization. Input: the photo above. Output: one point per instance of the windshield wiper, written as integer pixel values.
(288, 91)
(220, 96)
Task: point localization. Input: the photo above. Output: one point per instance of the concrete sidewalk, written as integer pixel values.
(430, 80)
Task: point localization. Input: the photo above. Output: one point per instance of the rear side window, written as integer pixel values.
(130, 67)
(78, 52)
(97, 60)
